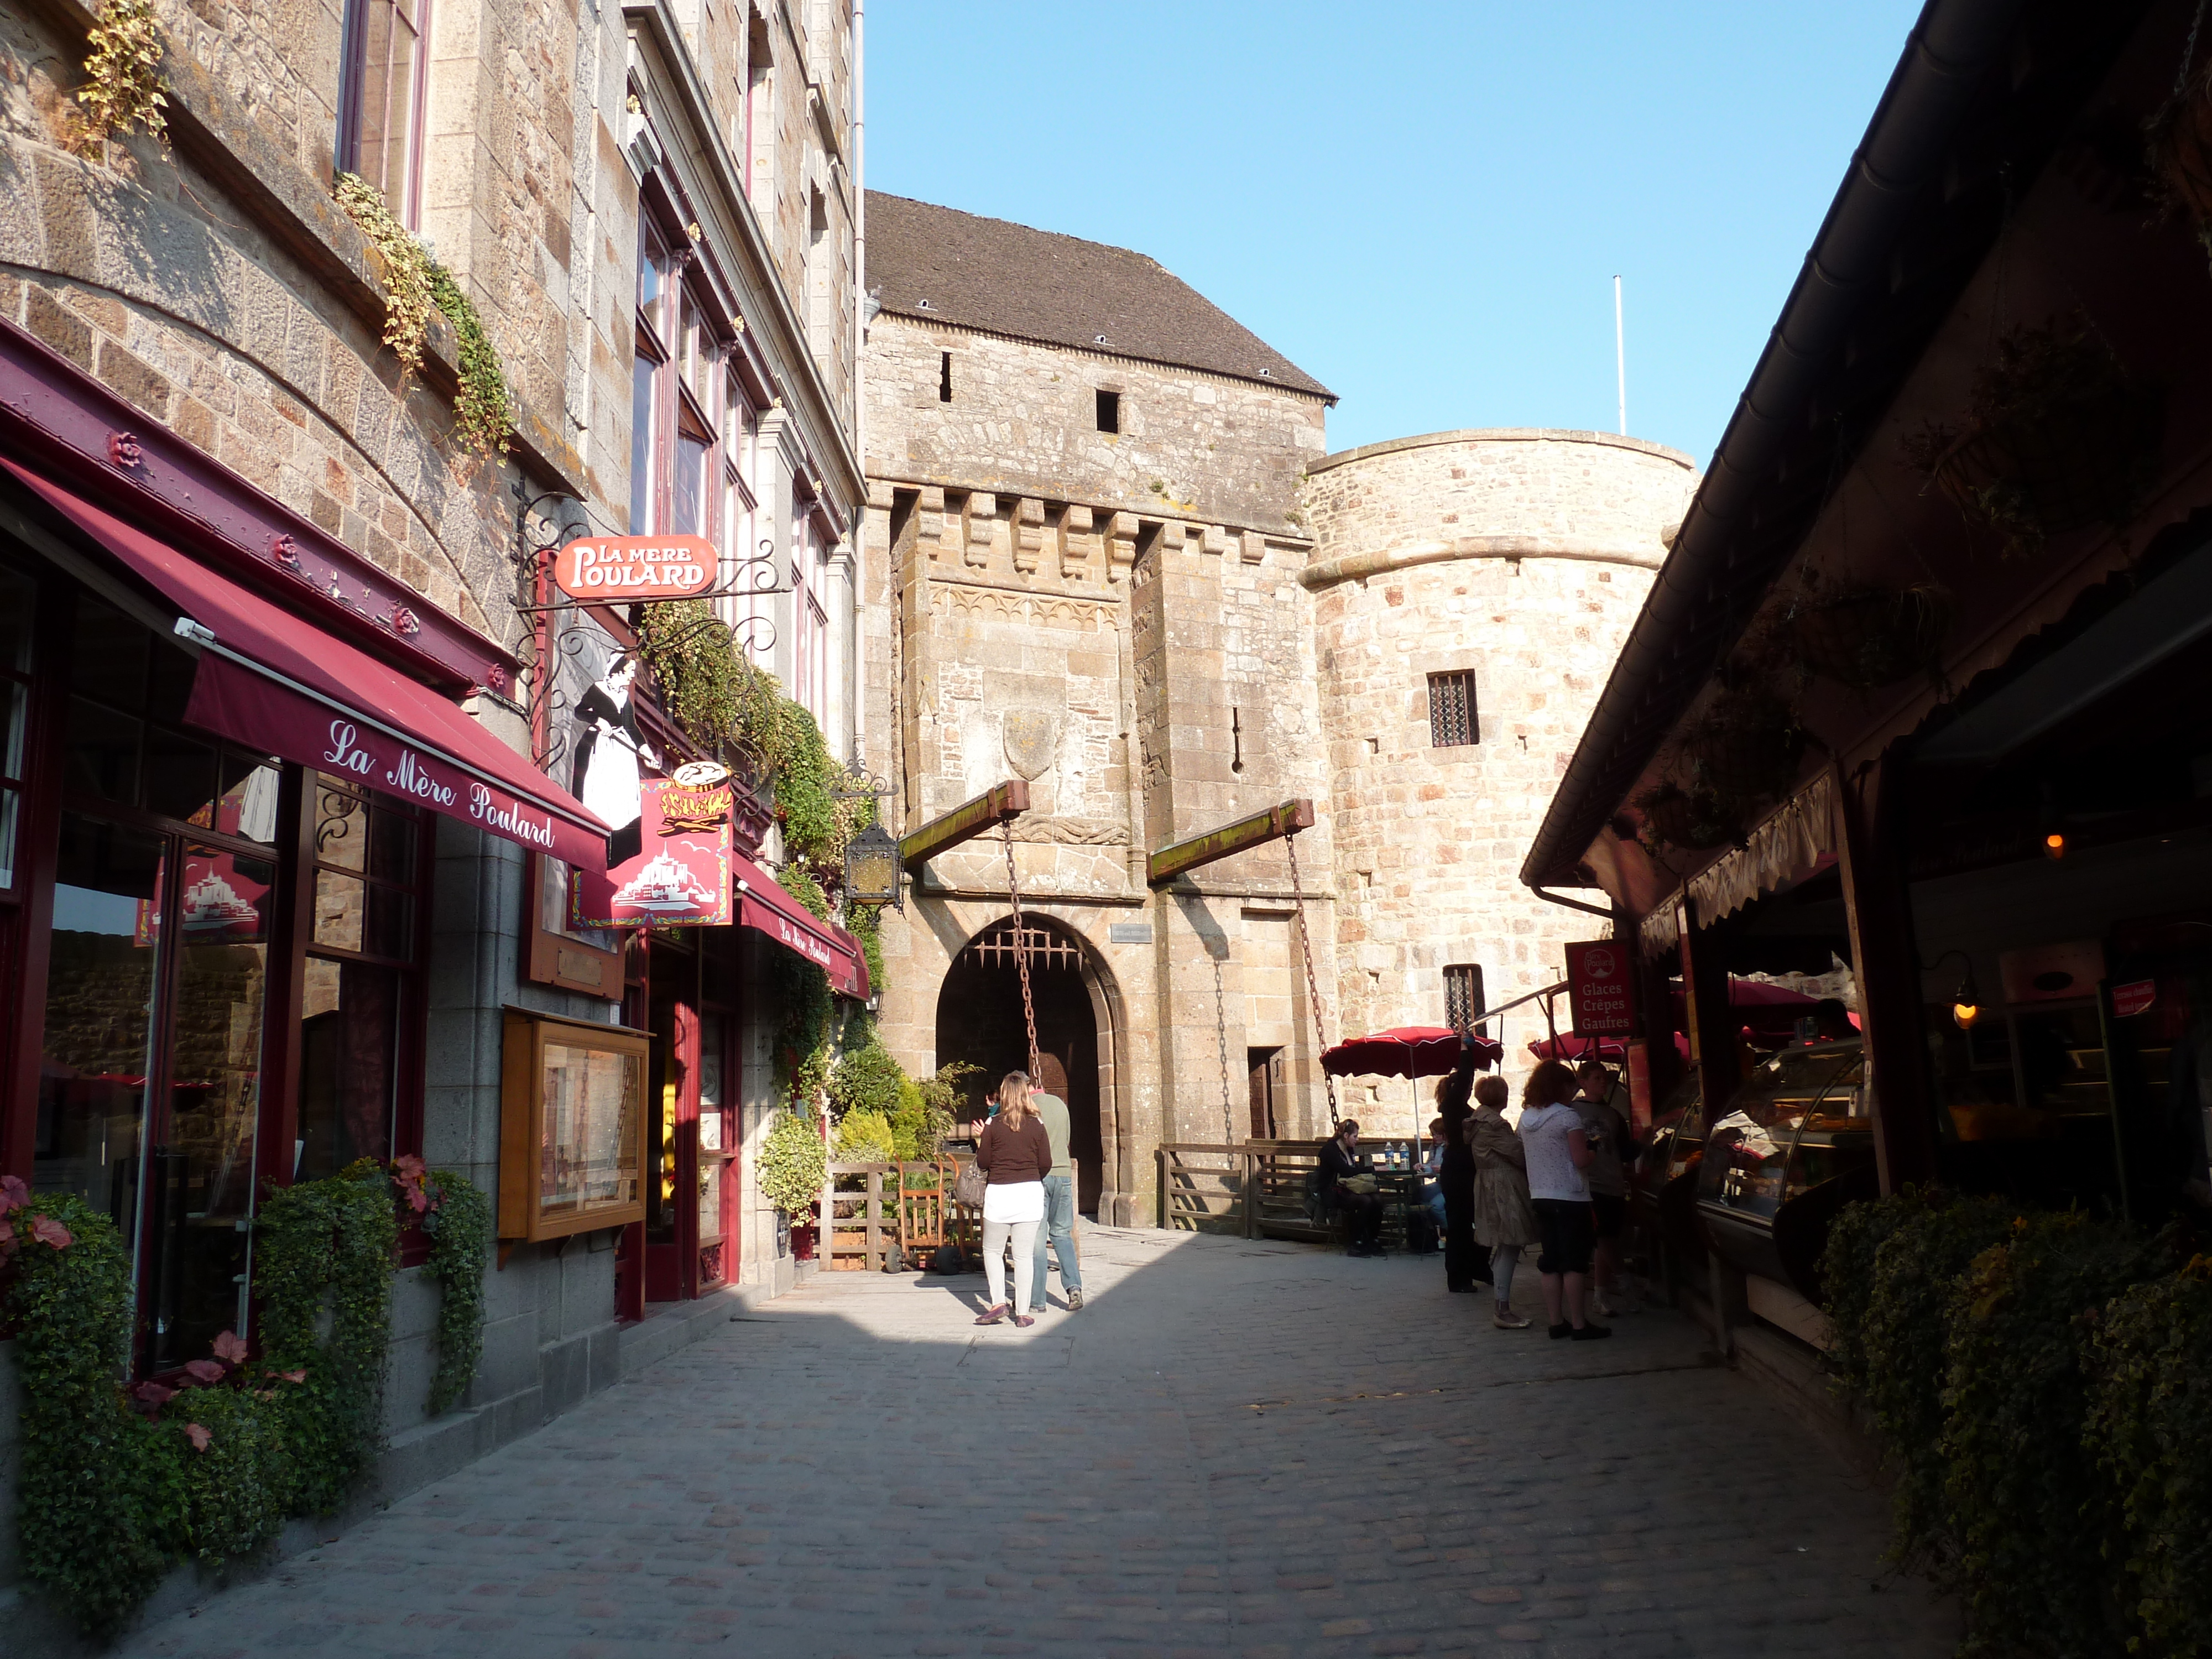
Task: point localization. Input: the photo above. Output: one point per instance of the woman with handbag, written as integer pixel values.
(1348, 1183)
(1503, 1218)
(1015, 1156)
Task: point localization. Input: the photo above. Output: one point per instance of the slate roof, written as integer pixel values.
(936, 263)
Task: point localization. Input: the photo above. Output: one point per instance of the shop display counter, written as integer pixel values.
(1664, 1190)
(1794, 1146)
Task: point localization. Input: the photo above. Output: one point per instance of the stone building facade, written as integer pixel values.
(1081, 569)
(1107, 553)
(652, 209)
(1471, 590)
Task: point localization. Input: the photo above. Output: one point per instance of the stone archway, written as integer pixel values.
(979, 1019)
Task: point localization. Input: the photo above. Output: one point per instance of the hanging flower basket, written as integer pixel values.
(2179, 137)
(2057, 435)
(1674, 818)
(1872, 637)
(1744, 749)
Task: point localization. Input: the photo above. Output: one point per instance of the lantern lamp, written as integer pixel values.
(871, 869)
(2054, 846)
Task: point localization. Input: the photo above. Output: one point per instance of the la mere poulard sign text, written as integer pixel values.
(626, 568)
(681, 875)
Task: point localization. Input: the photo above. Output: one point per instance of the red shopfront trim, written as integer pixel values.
(764, 906)
(270, 681)
(57, 418)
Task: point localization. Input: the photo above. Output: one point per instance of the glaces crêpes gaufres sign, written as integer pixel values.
(622, 568)
(681, 875)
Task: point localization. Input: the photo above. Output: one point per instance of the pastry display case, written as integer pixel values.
(1794, 1146)
(1663, 1190)
(572, 1123)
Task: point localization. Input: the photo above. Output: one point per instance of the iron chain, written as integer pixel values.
(1021, 949)
(1313, 988)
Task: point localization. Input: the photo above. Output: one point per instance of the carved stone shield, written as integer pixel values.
(1032, 739)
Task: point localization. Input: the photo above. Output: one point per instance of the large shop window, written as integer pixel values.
(185, 913)
(359, 980)
(381, 100)
(18, 604)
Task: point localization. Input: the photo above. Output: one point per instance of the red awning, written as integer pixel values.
(764, 906)
(273, 682)
(1407, 1051)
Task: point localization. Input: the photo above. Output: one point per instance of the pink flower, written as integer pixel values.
(204, 1370)
(14, 1194)
(153, 1393)
(48, 1231)
(230, 1346)
(300, 1375)
(198, 1436)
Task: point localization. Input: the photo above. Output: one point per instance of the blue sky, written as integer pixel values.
(1422, 205)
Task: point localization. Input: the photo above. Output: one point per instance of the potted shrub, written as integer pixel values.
(2056, 436)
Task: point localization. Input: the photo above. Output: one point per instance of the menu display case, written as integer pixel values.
(571, 1126)
(1795, 1144)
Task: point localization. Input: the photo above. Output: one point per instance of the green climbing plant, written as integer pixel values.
(455, 1217)
(117, 1485)
(123, 74)
(793, 1165)
(414, 283)
(99, 1496)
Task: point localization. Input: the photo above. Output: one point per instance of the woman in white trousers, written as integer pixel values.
(1015, 1156)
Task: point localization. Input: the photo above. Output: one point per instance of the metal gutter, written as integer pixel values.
(1951, 49)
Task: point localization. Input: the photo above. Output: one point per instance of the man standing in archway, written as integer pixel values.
(1059, 1188)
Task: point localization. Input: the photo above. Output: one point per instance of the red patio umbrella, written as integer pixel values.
(1408, 1051)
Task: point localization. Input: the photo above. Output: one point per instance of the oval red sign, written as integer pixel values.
(625, 568)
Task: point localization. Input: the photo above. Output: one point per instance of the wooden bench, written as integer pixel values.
(1266, 1188)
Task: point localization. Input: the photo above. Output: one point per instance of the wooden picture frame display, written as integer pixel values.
(572, 1126)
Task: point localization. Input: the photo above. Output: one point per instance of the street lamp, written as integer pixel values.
(871, 869)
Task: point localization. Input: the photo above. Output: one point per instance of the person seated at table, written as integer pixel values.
(1432, 1165)
(1345, 1172)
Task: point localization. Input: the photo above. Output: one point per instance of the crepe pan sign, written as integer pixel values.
(627, 568)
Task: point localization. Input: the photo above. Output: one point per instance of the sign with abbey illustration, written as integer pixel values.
(681, 875)
(1598, 996)
(624, 569)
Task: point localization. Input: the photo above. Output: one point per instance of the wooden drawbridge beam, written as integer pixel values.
(1273, 824)
(964, 823)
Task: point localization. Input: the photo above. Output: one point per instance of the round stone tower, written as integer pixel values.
(1471, 592)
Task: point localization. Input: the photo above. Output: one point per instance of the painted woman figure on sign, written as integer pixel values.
(607, 756)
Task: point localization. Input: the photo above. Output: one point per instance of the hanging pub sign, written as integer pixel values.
(680, 877)
(624, 569)
(1597, 989)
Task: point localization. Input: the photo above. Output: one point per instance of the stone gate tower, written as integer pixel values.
(1471, 592)
(1080, 568)
(1107, 552)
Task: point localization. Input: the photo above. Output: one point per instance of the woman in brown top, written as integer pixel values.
(1016, 1156)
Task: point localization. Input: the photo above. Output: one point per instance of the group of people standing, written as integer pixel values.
(1554, 1175)
(1029, 1196)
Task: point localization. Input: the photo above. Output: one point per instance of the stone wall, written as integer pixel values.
(1519, 556)
(1022, 422)
(1117, 619)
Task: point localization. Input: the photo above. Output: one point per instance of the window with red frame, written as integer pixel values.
(740, 441)
(382, 80)
(361, 989)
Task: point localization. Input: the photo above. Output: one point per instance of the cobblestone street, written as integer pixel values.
(1251, 1449)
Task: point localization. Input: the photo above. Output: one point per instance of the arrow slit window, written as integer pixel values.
(1453, 721)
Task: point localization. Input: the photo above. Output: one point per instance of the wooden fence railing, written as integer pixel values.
(874, 1206)
(1266, 1189)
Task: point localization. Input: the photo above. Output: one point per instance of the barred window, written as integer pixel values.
(1463, 998)
(1452, 718)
